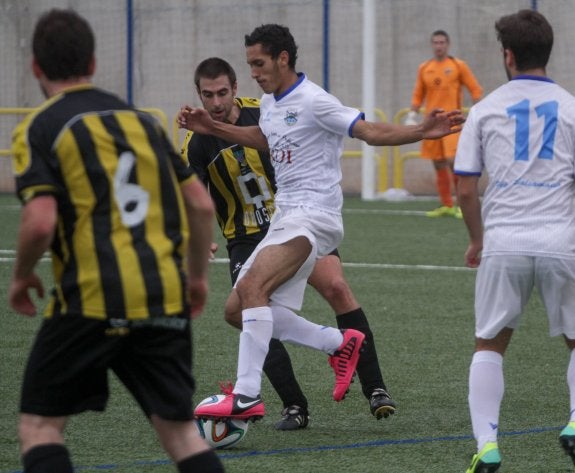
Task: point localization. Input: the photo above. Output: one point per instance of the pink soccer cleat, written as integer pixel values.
(231, 406)
(344, 361)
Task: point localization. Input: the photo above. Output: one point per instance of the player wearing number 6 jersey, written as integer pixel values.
(129, 227)
(241, 182)
(523, 233)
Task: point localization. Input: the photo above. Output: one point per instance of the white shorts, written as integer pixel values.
(323, 230)
(505, 283)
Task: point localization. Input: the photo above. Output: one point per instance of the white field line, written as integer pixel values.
(11, 256)
(349, 265)
(424, 267)
(418, 213)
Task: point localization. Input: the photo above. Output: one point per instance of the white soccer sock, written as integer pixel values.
(254, 343)
(292, 328)
(571, 384)
(486, 387)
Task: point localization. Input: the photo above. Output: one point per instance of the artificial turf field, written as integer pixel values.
(407, 272)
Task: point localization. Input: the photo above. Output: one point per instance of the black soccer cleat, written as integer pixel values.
(293, 418)
(381, 404)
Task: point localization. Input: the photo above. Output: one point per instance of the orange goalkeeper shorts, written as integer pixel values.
(441, 148)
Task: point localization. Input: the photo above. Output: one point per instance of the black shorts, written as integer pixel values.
(239, 250)
(67, 371)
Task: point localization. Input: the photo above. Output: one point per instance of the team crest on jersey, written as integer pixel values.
(240, 155)
(291, 117)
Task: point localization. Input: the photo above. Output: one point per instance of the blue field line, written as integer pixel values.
(229, 455)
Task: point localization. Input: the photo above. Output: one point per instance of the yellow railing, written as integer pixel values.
(13, 111)
(399, 158)
(381, 159)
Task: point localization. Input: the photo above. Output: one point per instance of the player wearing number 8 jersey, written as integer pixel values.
(129, 229)
(522, 235)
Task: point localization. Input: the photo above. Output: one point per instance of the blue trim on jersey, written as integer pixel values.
(465, 173)
(361, 116)
(301, 78)
(530, 77)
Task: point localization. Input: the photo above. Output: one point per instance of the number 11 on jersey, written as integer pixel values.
(521, 111)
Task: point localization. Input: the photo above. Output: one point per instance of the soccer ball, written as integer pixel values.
(223, 433)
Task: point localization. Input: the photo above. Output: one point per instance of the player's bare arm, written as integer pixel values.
(200, 211)
(37, 227)
(199, 120)
(435, 125)
(468, 197)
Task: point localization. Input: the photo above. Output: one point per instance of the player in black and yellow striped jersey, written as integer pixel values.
(242, 185)
(115, 254)
(240, 179)
(129, 229)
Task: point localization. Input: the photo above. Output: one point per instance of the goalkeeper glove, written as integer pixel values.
(411, 118)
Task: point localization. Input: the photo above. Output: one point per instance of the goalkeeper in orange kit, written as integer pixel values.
(440, 84)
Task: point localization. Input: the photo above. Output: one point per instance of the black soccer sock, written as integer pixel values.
(279, 370)
(49, 458)
(368, 369)
(207, 462)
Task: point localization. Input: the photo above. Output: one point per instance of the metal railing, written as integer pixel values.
(381, 158)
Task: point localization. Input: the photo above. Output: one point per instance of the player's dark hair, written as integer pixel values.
(440, 33)
(212, 68)
(528, 35)
(63, 44)
(274, 39)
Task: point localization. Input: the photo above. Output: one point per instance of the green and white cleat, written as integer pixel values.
(567, 440)
(487, 460)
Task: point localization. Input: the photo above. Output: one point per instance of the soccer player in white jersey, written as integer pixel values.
(523, 136)
(303, 127)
